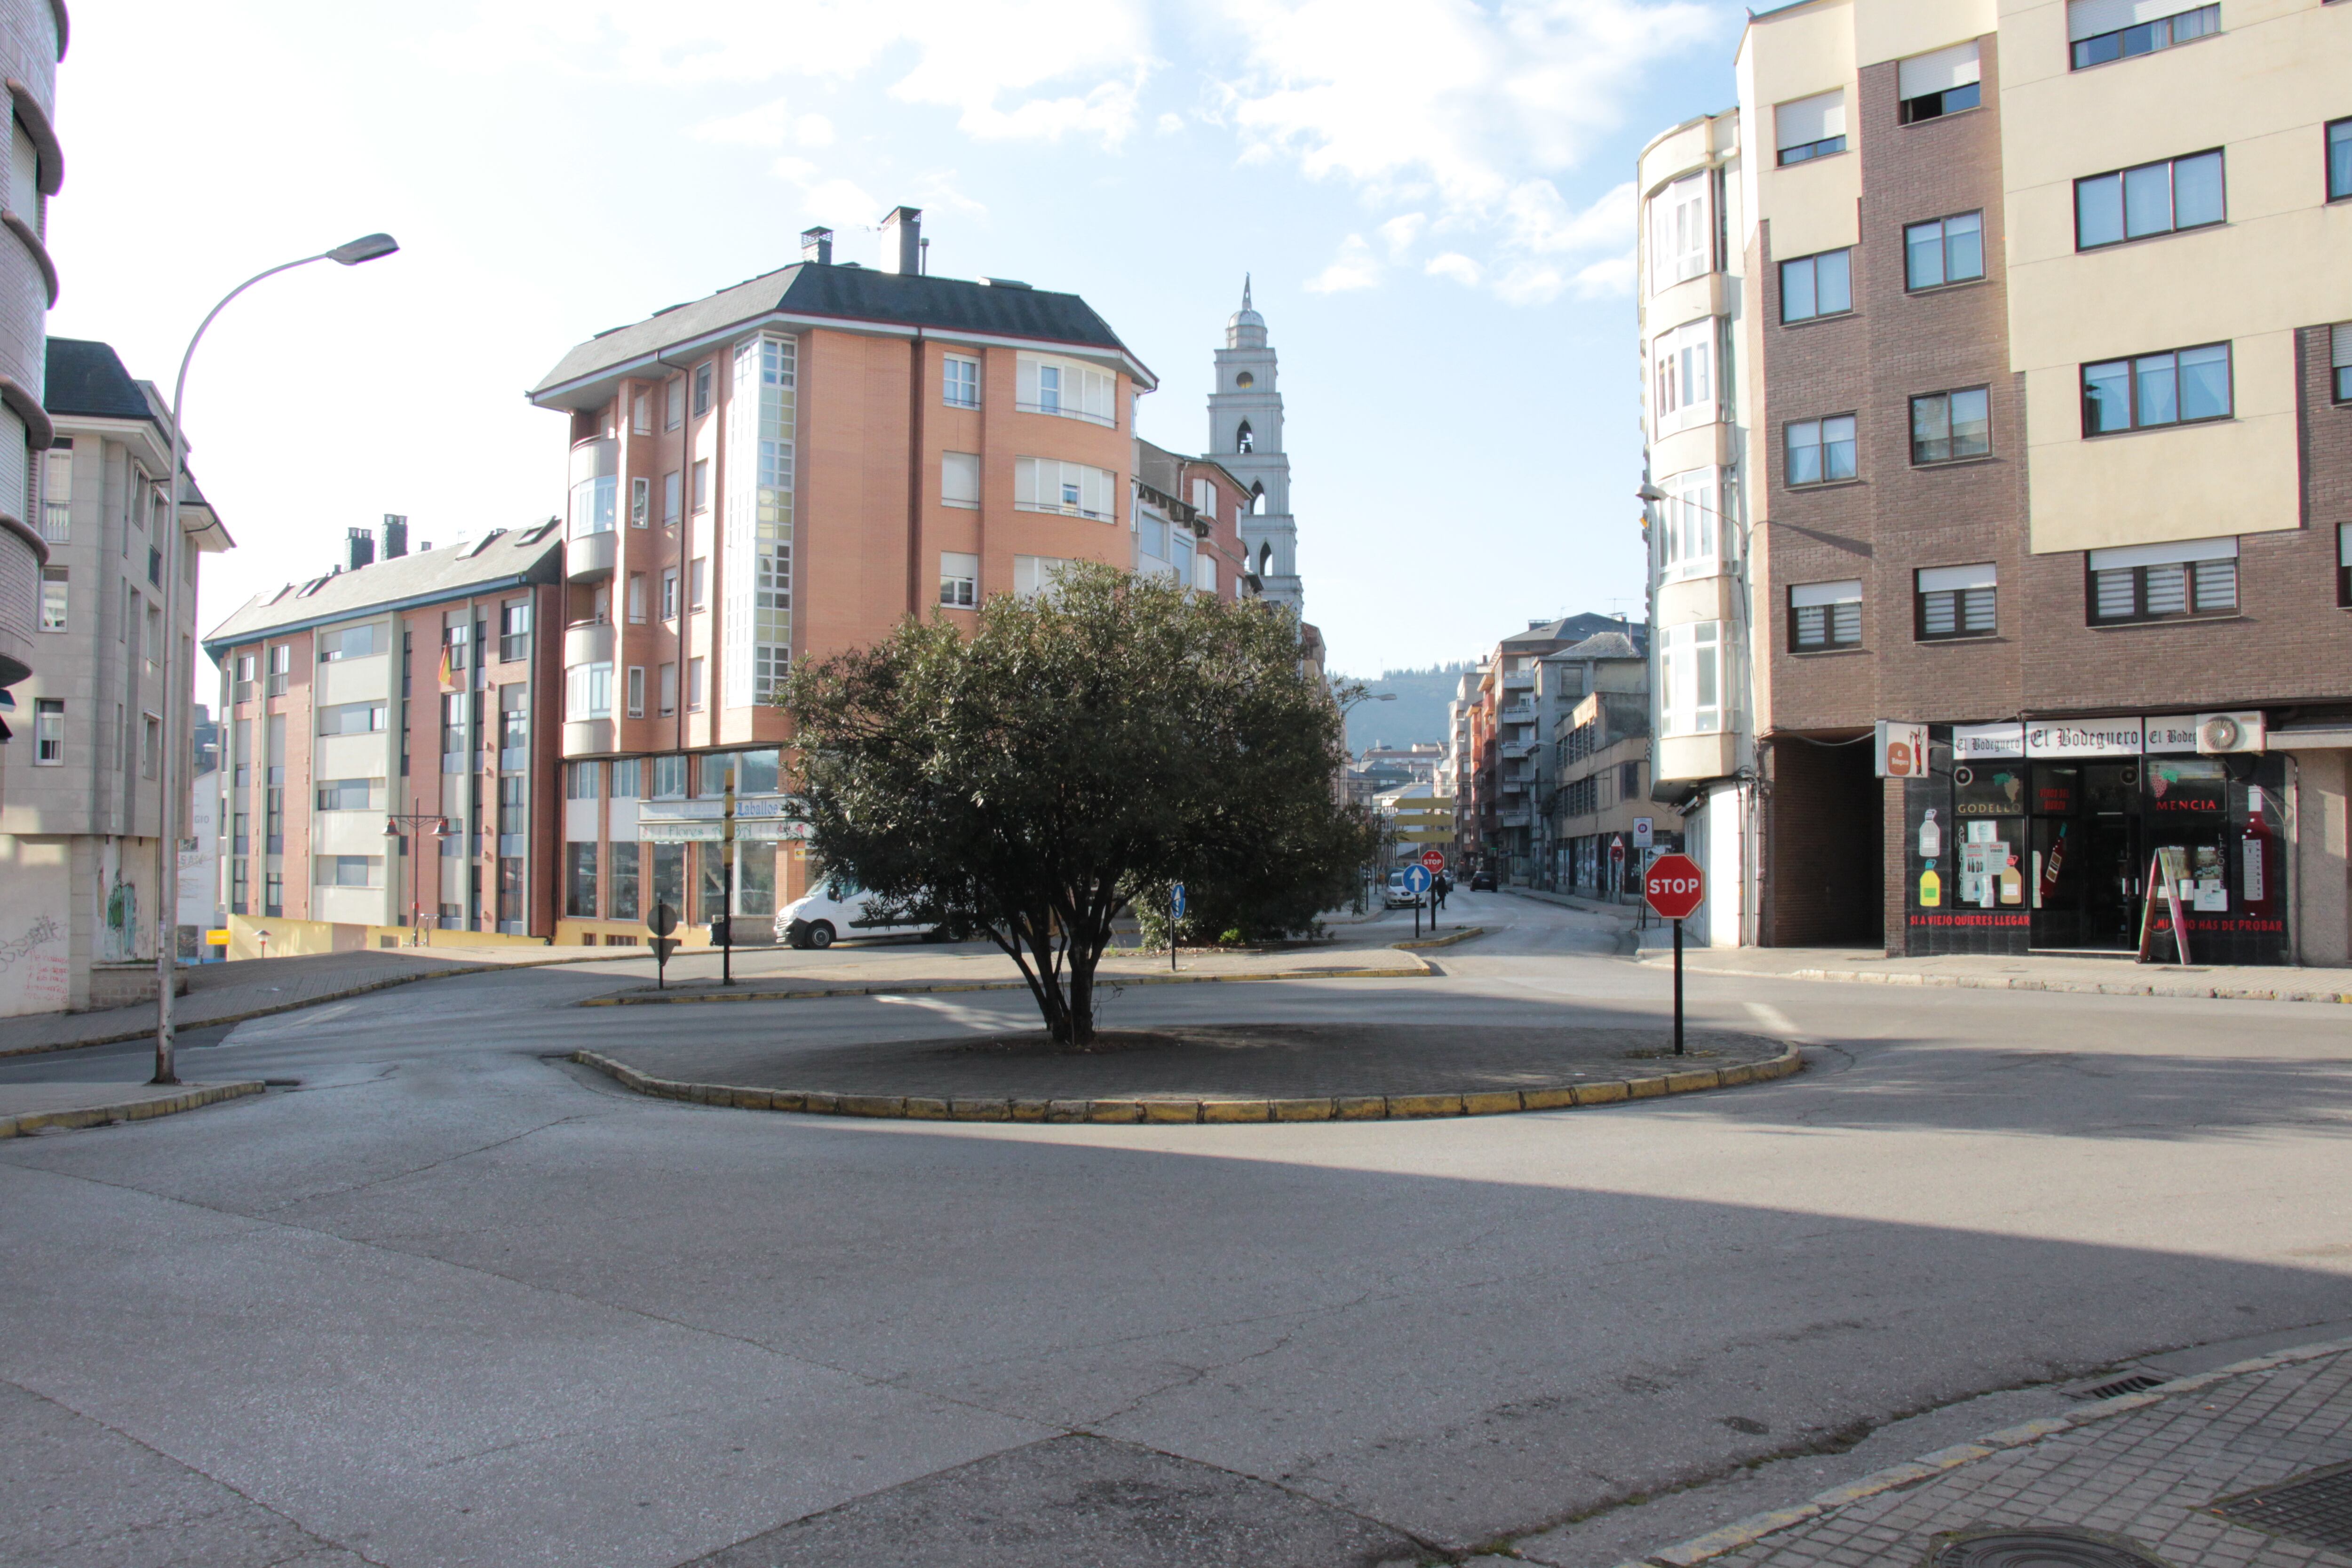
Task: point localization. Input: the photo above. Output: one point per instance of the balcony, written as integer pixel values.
(1514, 749)
(1514, 817)
(590, 557)
(1517, 713)
(588, 738)
(588, 641)
(1519, 680)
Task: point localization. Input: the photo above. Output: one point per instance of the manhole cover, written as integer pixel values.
(2313, 1508)
(2046, 1548)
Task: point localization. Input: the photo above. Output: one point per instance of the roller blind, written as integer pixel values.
(1945, 579)
(2165, 554)
(1940, 72)
(2089, 18)
(1805, 596)
(2342, 355)
(1808, 120)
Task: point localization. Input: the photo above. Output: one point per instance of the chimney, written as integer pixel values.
(359, 549)
(902, 241)
(816, 245)
(396, 536)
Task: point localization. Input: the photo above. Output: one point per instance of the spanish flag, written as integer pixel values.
(449, 676)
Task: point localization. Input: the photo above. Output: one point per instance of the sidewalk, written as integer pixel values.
(2164, 1474)
(29, 1107)
(2118, 976)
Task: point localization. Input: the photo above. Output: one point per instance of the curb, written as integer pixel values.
(147, 1031)
(126, 1111)
(2007, 983)
(1746, 1532)
(675, 999)
(1463, 935)
(1158, 1111)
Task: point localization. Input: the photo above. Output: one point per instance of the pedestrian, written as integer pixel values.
(1439, 888)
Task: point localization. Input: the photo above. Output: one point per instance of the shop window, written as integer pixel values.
(1814, 285)
(1928, 87)
(2104, 30)
(1947, 426)
(1943, 250)
(1820, 451)
(1955, 602)
(579, 779)
(620, 883)
(2179, 386)
(2150, 198)
(580, 880)
(2163, 582)
(1824, 615)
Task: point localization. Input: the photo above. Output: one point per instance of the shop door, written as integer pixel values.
(2085, 851)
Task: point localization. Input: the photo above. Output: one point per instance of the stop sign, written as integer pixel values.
(1434, 860)
(1674, 886)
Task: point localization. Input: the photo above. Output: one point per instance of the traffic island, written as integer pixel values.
(29, 1107)
(1236, 1073)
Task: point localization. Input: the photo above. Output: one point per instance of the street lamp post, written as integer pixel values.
(404, 823)
(367, 247)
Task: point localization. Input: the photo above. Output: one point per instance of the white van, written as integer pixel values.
(837, 909)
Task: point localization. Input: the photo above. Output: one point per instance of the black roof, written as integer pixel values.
(88, 378)
(851, 294)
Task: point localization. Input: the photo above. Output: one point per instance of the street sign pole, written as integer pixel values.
(1678, 988)
(726, 907)
(1674, 886)
(1175, 913)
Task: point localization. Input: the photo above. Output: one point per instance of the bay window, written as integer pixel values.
(1075, 490)
(588, 690)
(1683, 378)
(1682, 235)
(1690, 679)
(595, 488)
(1067, 389)
(1691, 541)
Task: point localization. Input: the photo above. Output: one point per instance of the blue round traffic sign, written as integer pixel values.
(1416, 880)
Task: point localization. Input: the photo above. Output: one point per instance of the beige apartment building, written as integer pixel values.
(1998, 381)
(32, 41)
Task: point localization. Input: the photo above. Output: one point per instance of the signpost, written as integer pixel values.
(1176, 912)
(661, 922)
(1434, 860)
(1616, 868)
(1675, 887)
(1416, 882)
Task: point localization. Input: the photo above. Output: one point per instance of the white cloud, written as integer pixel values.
(1401, 231)
(1169, 124)
(1457, 265)
(1537, 219)
(813, 130)
(1355, 268)
(766, 126)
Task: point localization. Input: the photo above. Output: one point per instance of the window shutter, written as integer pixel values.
(1939, 72)
(2089, 18)
(1939, 579)
(1809, 120)
(1809, 593)
(2167, 554)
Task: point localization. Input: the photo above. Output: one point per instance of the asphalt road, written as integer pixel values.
(453, 1301)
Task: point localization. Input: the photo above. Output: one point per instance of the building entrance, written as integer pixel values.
(2086, 870)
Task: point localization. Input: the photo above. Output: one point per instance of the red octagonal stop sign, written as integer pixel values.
(1674, 886)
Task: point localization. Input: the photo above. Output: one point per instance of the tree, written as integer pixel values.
(1027, 780)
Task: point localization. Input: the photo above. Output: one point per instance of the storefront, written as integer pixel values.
(2041, 837)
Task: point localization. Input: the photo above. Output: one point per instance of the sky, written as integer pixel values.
(1433, 196)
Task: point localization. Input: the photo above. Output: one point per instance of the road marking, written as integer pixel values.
(1772, 1018)
(246, 1034)
(971, 1018)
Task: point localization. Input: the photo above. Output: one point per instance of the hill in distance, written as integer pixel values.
(1418, 714)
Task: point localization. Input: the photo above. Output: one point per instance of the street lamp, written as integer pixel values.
(400, 825)
(367, 247)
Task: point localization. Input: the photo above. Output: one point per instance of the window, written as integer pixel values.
(636, 692)
(511, 893)
(273, 893)
(55, 600)
(958, 580)
(1204, 573)
(961, 377)
(2104, 30)
(588, 691)
(1824, 615)
(1152, 536)
(1944, 250)
(669, 691)
(1954, 602)
(669, 594)
(1689, 525)
(579, 779)
(452, 727)
(702, 389)
(694, 684)
(2150, 198)
(2344, 564)
(580, 880)
(621, 884)
(156, 567)
(1819, 285)
(154, 645)
(641, 414)
(1684, 361)
(627, 773)
(1928, 87)
(351, 794)
(697, 577)
(2176, 387)
(701, 485)
(56, 492)
(2339, 160)
(1041, 484)
(1690, 671)
(151, 747)
(352, 642)
(669, 778)
(1065, 389)
(1820, 451)
(514, 723)
(514, 630)
(671, 492)
(1034, 574)
(1682, 240)
(641, 501)
(636, 598)
(674, 411)
(2340, 360)
(959, 479)
(2163, 582)
(351, 719)
(1810, 128)
(281, 666)
(348, 871)
(1949, 425)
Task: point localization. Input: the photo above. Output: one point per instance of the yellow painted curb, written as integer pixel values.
(1464, 934)
(193, 1096)
(1223, 1110)
(1416, 971)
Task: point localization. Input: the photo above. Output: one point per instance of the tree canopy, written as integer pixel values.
(1026, 780)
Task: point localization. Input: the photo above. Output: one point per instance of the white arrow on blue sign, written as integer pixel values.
(1416, 880)
(1179, 901)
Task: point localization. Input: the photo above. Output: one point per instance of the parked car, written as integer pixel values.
(1481, 881)
(839, 908)
(1398, 895)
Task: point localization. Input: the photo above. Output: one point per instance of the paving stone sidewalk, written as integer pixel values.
(2113, 976)
(2146, 1469)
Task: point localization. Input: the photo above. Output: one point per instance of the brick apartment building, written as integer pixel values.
(396, 685)
(1996, 381)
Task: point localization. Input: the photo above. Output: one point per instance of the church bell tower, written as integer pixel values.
(1245, 436)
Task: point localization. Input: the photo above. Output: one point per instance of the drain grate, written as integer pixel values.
(2138, 1382)
(2313, 1508)
(2046, 1548)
